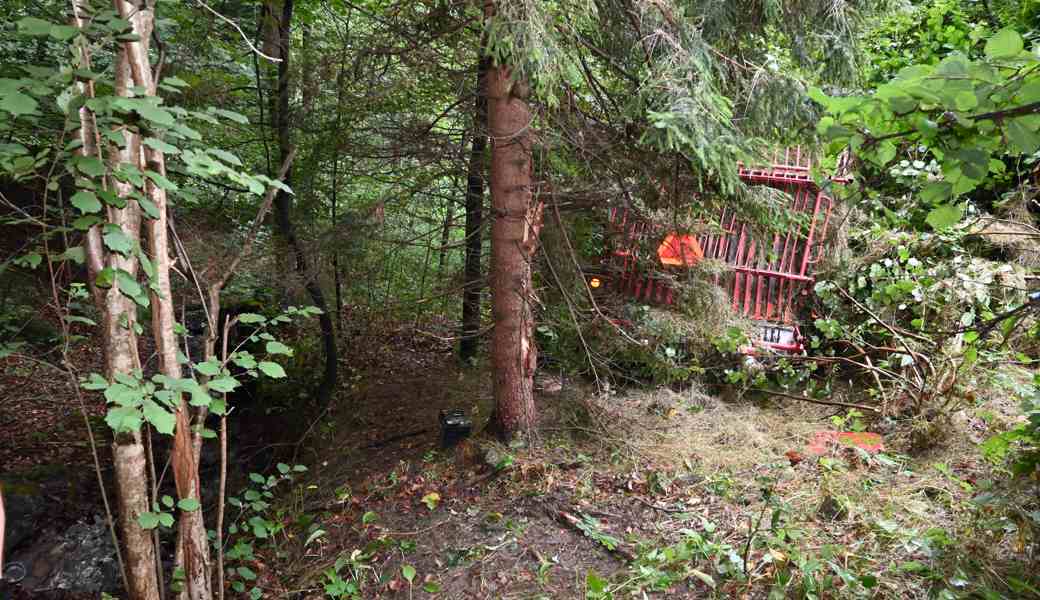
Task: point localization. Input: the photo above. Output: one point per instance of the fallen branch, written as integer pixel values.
(394, 438)
(574, 523)
(816, 401)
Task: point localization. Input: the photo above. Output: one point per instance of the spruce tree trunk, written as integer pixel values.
(474, 220)
(283, 203)
(514, 237)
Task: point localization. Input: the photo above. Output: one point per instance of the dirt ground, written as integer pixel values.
(664, 493)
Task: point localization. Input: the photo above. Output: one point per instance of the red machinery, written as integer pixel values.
(767, 279)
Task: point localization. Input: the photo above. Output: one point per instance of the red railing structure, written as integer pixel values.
(768, 276)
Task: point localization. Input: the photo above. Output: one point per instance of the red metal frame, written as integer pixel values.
(765, 285)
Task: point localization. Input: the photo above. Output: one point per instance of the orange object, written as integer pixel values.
(680, 250)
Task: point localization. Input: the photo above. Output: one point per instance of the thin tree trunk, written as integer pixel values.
(474, 219)
(283, 213)
(192, 553)
(514, 236)
(449, 220)
(119, 342)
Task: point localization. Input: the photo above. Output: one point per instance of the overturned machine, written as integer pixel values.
(766, 277)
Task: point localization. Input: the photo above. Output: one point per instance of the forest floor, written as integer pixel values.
(671, 494)
(646, 494)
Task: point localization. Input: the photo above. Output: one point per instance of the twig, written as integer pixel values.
(815, 401)
(240, 32)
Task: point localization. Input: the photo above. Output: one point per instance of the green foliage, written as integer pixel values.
(969, 115)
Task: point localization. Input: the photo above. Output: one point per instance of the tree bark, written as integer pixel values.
(118, 319)
(474, 219)
(283, 212)
(514, 237)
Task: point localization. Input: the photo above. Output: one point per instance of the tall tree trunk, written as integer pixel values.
(283, 211)
(119, 342)
(474, 219)
(192, 552)
(514, 237)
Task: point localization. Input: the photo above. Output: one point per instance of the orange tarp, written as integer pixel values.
(680, 250)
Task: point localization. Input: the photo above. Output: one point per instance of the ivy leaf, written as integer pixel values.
(246, 573)
(86, 202)
(160, 418)
(63, 32)
(408, 572)
(945, 216)
(250, 318)
(1005, 44)
(75, 254)
(166, 519)
(105, 278)
(271, 369)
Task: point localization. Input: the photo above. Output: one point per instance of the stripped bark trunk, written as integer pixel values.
(514, 237)
(474, 219)
(283, 212)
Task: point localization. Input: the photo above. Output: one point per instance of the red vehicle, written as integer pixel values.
(768, 277)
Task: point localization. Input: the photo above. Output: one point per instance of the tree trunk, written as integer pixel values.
(283, 212)
(192, 553)
(474, 220)
(119, 342)
(514, 237)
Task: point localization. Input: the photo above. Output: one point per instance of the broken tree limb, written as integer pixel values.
(816, 401)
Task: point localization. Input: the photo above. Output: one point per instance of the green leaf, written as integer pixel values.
(86, 202)
(63, 32)
(75, 254)
(148, 520)
(188, 504)
(209, 368)
(1007, 43)
(246, 573)
(123, 419)
(1026, 141)
(34, 26)
(161, 146)
(234, 116)
(966, 100)
(90, 166)
(18, 103)
(707, 579)
(105, 278)
(278, 348)
(936, 192)
(431, 587)
(250, 318)
(166, 519)
(130, 288)
(155, 114)
(160, 418)
(595, 584)
(85, 222)
(945, 216)
(369, 517)
(271, 369)
(408, 572)
(116, 240)
(223, 384)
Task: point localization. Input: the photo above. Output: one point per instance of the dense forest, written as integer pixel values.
(453, 299)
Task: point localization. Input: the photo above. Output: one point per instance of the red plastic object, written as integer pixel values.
(768, 278)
